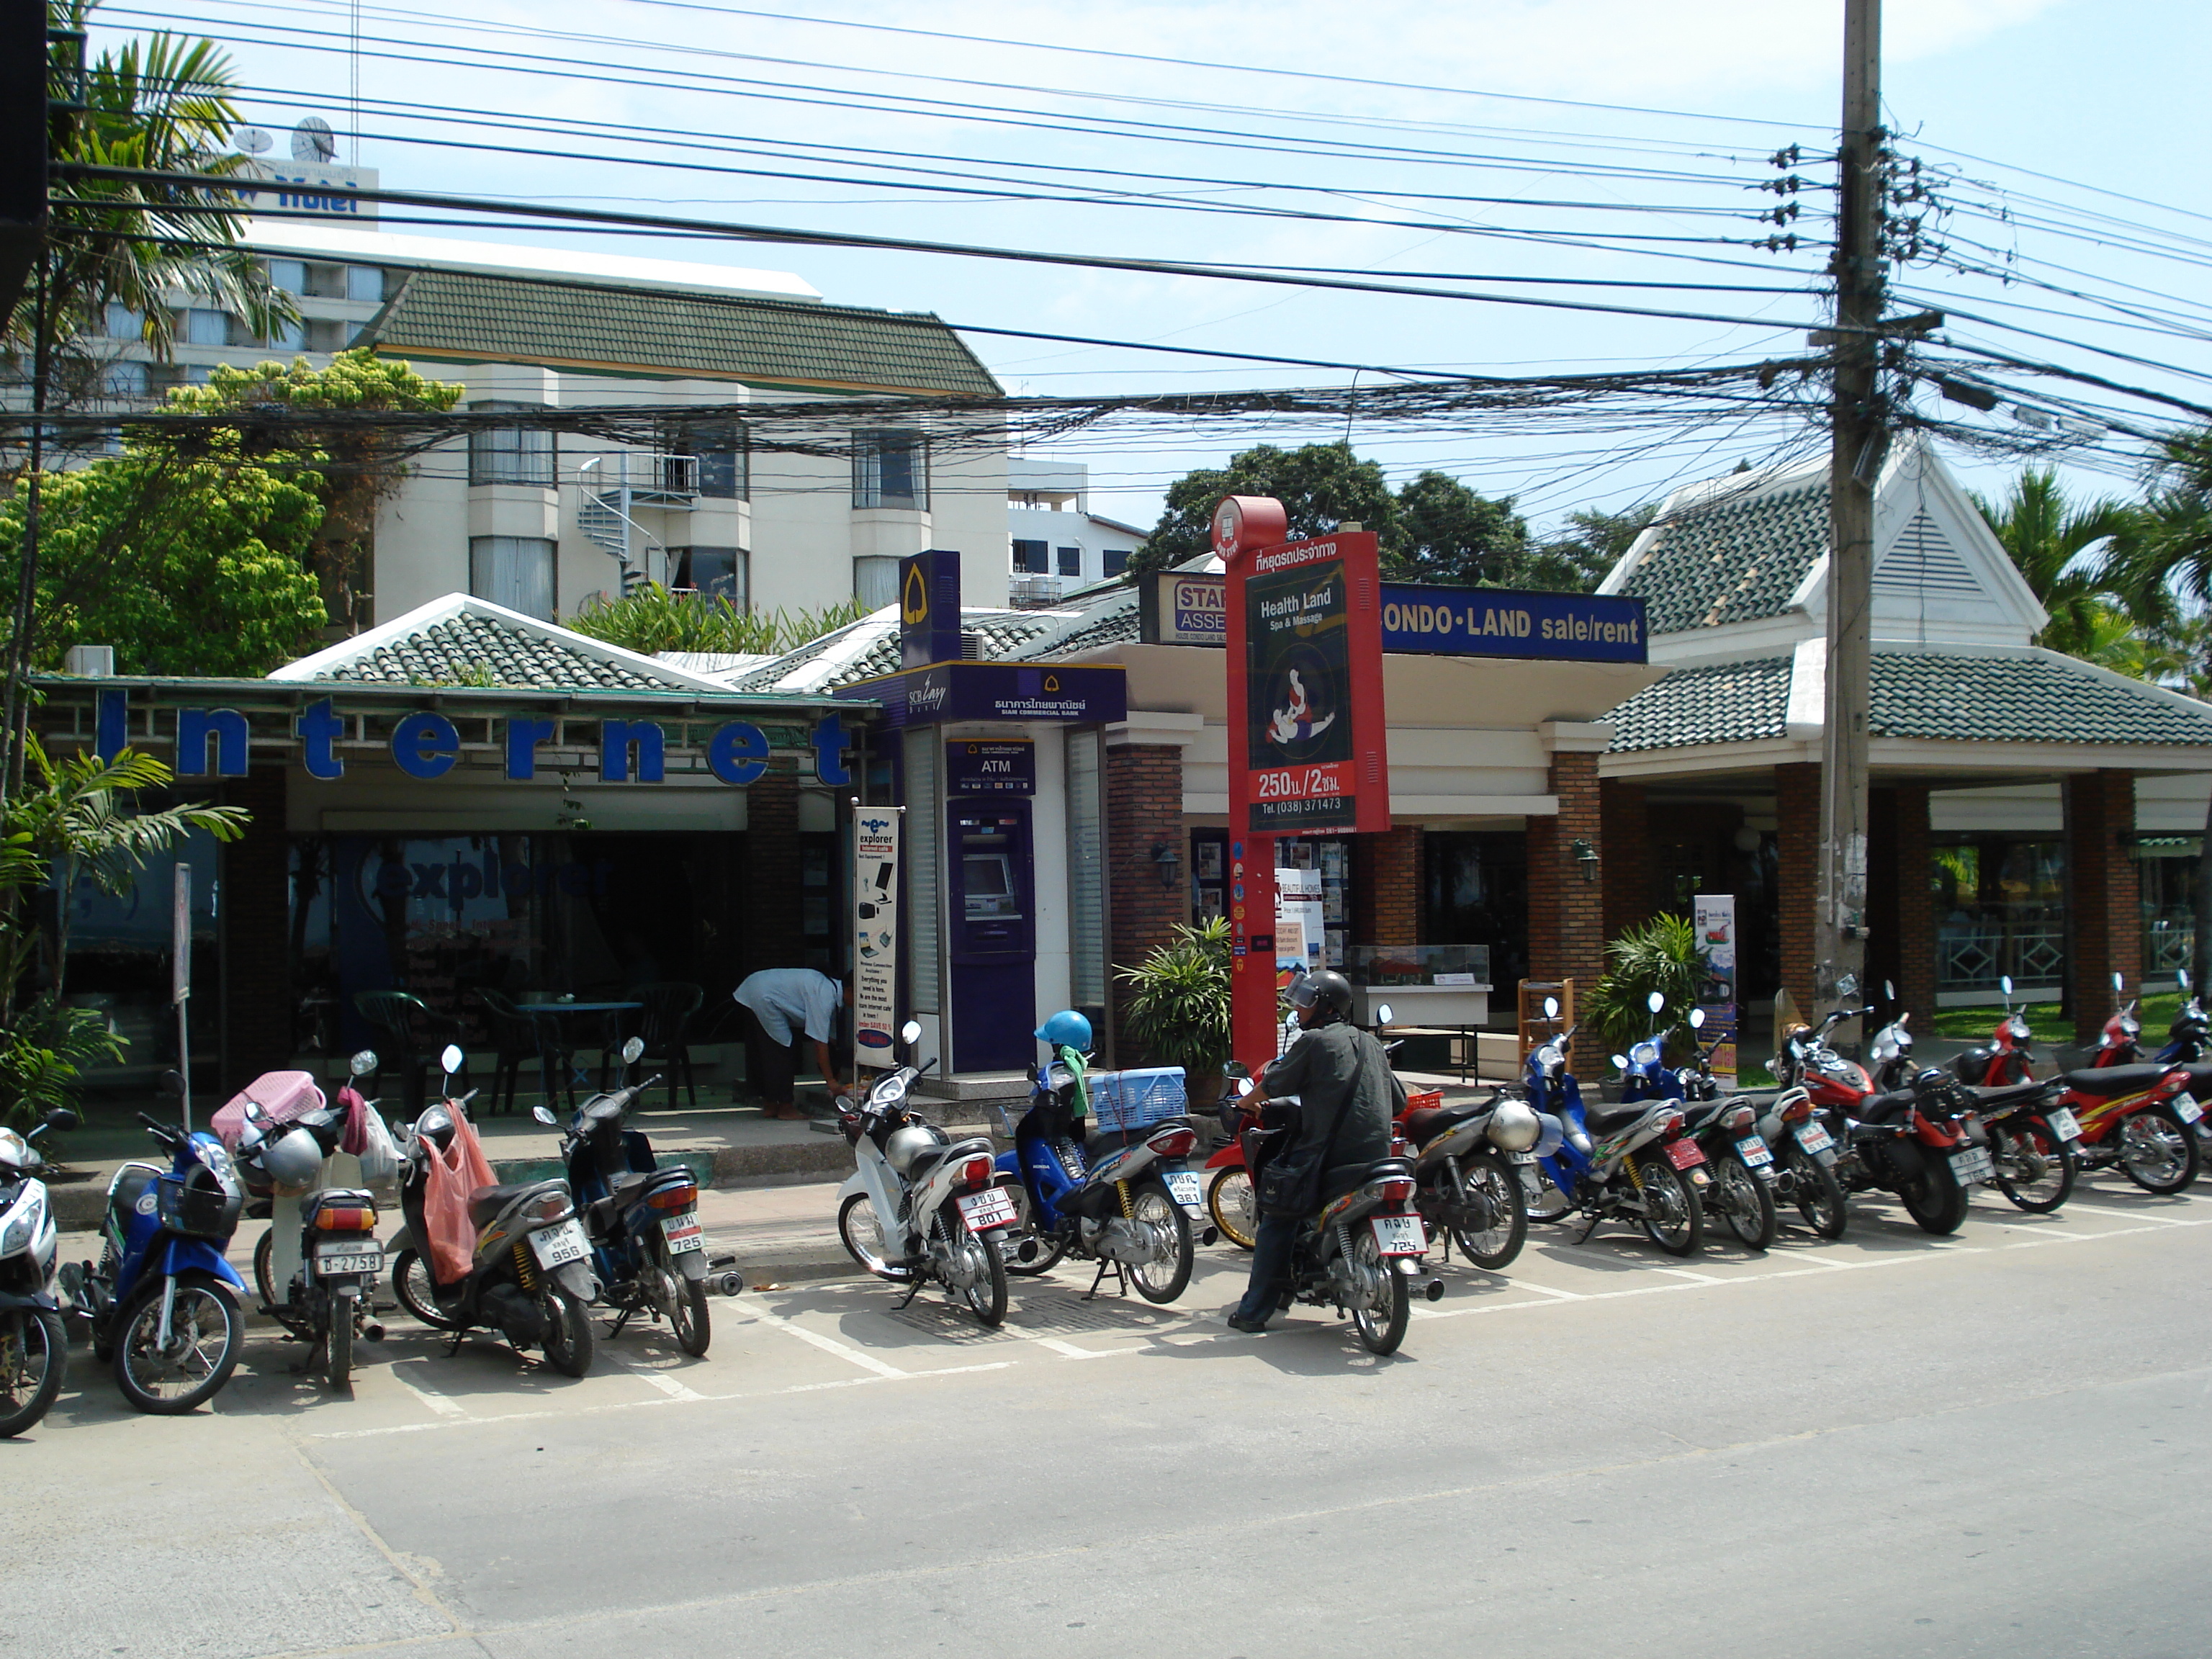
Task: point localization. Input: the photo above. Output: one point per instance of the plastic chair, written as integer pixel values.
(518, 1035)
(413, 1034)
(668, 1009)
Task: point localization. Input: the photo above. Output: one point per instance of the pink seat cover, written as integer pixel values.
(282, 1095)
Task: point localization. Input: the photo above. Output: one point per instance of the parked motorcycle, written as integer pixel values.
(2004, 1060)
(1229, 1196)
(1466, 1160)
(2186, 1045)
(1726, 1131)
(1363, 1252)
(1631, 1161)
(162, 1302)
(643, 1221)
(1805, 1162)
(33, 1341)
(921, 1208)
(1125, 1209)
(530, 1278)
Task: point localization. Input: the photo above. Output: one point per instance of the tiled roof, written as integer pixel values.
(1111, 622)
(1737, 558)
(503, 320)
(468, 650)
(1716, 703)
(2038, 698)
(1004, 635)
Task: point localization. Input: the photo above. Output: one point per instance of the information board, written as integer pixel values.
(875, 932)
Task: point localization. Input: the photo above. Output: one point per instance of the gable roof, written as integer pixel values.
(1735, 549)
(470, 316)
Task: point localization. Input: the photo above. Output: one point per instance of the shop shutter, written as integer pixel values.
(1086, 874)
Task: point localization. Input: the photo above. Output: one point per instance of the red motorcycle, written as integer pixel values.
(1229, 1196)
(2004, 1059)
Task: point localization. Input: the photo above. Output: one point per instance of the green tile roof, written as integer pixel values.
(509, 319)
(1714, 702)
(2030, 699)
(1004, 634)
(469, 650)
(1735, 559)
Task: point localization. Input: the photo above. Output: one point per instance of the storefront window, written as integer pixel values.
(1332, 859)
(2000, 908)
(1476, 893)
(2167, 876)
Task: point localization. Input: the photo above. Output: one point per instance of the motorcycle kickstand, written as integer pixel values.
(455, 1346)
(1596, 1215)
(1121, 1274)
(621, 1320)
(914, 1290)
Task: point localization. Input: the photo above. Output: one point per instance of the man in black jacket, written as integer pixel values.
(1347, 1095)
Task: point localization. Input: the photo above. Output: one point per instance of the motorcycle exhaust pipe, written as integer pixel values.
(1210, 1236)
(372, 1332)
(1028, 1252)
(1435, 1292)
(726, 1280)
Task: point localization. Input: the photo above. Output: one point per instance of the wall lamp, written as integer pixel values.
(1585, 856)
(1166, 859)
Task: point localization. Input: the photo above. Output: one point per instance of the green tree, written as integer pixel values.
(1178, 1001)
(2047, 538)
(1578, 559)
(1320, 487)
(1451, 536)
(1662, 955)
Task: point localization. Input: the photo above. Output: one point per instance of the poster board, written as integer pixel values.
(1714, 915)
(1299, 921)
(875, 932)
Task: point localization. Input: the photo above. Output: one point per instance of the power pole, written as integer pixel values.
(1858, 436)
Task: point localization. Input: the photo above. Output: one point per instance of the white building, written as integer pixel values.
(1059, 545)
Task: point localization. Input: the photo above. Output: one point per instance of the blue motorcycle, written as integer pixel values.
(1631, 1161)
(1727, 1131)
(163, 1304)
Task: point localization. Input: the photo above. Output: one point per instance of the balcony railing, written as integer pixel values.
(1976, 957)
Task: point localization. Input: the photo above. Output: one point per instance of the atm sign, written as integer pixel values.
(974, 766)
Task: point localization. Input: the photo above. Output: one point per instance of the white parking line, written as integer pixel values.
(2126, 1215)
(429, 1396)
(1069, 1350)
(866, 1362)
(660, 1380)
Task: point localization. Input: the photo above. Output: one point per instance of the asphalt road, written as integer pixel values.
(1890, 1446)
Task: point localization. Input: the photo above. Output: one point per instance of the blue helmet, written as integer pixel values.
(1065, 1029)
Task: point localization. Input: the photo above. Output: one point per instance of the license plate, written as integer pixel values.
(342, 1261)
(1684, 1154)
(2063, 1124)
(1399, 1235)
(2186, 1108)
(1753, 1151)
(1813, 1139)
(1972, 1165)
(557, 1246)
(987, 1209)
(1524, 1157)
(681, 1233)
(1186, 1189)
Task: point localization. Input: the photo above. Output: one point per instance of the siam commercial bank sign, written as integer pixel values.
(1059, 692)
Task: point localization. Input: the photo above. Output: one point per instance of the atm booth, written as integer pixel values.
(992, 948)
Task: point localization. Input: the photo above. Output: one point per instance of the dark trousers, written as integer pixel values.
(771, 1067)
(1271, 1265)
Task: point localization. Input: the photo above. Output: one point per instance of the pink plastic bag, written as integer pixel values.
(284, 1095)
(454, 1174)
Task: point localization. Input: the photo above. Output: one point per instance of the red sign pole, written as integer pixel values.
(1307, 727)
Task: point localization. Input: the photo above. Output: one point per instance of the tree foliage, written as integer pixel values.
(2047, 538)
(1663, 955)
(1320, 487)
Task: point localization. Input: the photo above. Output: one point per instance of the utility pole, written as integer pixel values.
(1858, 437)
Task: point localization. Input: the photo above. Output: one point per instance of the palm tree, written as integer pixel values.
(2045, 536)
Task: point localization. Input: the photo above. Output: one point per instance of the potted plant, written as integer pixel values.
(1178, 1006)
(1663, 955)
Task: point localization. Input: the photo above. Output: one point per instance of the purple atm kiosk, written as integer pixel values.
(991, 910)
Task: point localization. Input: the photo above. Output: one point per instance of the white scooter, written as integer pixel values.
(33, 1342)
(920, 1208)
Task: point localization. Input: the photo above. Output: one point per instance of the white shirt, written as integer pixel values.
(781, 998)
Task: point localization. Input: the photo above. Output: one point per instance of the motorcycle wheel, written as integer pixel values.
(411, 1284)
(1540, 1197)
(1674, 1220)
(862, 1236)
(1381, 1329)
(34, 1361)
(2157, 1151)
(338, 1360)
(986, 1293)
(207, 1331)
(1935, 1200)
(264, 1268)
(1744, 1202)
(1487, 1184)
(1234, 1209)
(1815, 1191)
(1050, 1246)
(693, 1325)
(568, 1336)
(1154, 1208)
(2035, 1169)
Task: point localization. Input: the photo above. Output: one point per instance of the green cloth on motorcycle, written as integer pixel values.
(1079, 1069)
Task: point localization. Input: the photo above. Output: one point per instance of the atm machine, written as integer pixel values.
(992, 912)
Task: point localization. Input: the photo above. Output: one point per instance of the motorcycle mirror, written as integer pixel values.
(632, 1049)
(2004, 984)
(2181, 979)
(172, 1086)
(1245, 1085)
(1655, 1001)
(910, 1033)
(1889, 990)
(452, 1058)
(2119, 984)
(1697, 1019)
(62, 1118)
(1383, 1011)
(1551, 1007)
(254, 1114)
(1236, 1068)
(363, 1063)
(543, 1116)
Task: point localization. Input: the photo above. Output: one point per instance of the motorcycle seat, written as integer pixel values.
(1884, 1108)
(626, 1185)
(487, 1202)
(2009, 1095)
(1605, 1119)
(2200, 1076)
(1425, 1125)
(924, 1162)
(340, 1197)
(2106, 1081)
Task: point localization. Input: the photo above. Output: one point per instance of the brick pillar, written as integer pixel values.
(1385, 887)
(1625, 809)
(1916, 907)
(1567, 914)
(774, 935)
(1144, 810)
(256, 932)
(2105, 909)
(1797, 814)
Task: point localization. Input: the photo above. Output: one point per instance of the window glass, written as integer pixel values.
(715, 572)
(923, 823)
(1030, 558)
(289, 275)
(203, 327)
(2000, 908)
(1086, 879)
(1071, 561)
(364, 283)
(510, 454)
(120, 322)
(289, 336)
(515, 571)
(721, 447)
(890, 469)
(1116, 560)
(124, 381)
(875, 582)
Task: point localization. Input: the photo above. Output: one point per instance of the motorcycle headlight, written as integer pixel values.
(1549, 1059)
(16, 1236)
(1645, 1054)
(890, 1092)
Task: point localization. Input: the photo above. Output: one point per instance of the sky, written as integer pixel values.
(1455, 167)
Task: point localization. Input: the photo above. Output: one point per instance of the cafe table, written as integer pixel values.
(557, 1037)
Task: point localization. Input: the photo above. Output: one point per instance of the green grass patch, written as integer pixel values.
(1975, 1024)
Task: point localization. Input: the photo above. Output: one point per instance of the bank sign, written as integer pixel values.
(1191, 607)
(1075, 695)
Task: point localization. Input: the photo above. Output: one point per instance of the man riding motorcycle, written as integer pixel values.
(1347, 1095)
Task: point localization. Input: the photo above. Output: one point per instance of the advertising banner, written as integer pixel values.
(1298, 921)
(1715, 916)
(875, 932)
(1079, 695)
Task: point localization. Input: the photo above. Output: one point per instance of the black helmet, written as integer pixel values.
(1326, 988)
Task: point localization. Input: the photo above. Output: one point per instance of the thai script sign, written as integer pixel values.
(998, 691)
(976, 766)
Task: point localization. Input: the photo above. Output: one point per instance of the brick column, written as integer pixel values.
(1916, 907)
(2104, 909)
(256, 933)
(774, 935)
(1567, 914)
(1797, 814)
(1144, 810)
(1625, 811)
(1385, 887)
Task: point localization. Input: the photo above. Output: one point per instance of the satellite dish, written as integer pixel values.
(253, 140)
(314, 140)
